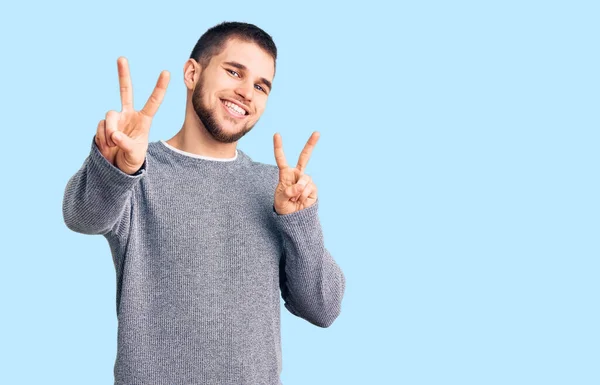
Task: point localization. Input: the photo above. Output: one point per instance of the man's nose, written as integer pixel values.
(246, 90)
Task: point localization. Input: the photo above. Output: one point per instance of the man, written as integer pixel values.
(203, 238)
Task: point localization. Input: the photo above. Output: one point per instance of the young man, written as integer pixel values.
(203, 238)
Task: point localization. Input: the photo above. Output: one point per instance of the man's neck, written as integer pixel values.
(194, 139)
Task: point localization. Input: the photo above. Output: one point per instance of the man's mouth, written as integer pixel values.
(233, 109)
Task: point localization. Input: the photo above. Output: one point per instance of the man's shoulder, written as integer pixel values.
(265, 170)
(265, 173)
(265, 167)
(258, 166)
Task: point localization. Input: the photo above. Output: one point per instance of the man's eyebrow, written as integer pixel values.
(242, 67)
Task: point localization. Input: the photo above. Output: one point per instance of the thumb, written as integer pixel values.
(123, 141)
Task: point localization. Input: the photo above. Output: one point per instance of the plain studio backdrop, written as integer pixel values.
(458, 177)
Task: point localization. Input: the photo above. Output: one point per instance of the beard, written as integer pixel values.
(208, 118)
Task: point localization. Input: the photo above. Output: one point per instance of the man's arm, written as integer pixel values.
(312, 284)
(101, 191)
(98, 195)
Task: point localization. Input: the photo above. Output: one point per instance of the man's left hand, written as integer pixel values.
(296, 190)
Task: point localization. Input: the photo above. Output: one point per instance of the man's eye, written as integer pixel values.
(260, 88)
(233, 73)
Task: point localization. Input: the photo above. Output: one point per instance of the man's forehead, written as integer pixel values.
(250, 55)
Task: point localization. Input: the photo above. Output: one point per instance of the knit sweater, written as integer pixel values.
(200, 257)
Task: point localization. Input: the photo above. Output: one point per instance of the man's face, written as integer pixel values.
(232, 91)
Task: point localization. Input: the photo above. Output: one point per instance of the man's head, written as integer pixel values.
(229, 75)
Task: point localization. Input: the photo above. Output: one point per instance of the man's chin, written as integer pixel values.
(228, 134)
(232, 127)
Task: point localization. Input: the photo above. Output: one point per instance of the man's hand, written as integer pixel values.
(122, 137)
(295, 190)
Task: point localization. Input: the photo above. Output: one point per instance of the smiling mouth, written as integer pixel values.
(233, 109)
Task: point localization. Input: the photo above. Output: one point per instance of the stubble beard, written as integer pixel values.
(209, 120)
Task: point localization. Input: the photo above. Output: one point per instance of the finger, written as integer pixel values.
(279, 155)
(306, 193)
(157, 95)
(293, 192)
(307, 151)
(299, 187)
(112, 124)
(125, 84)
(100, 139)
(123, 141)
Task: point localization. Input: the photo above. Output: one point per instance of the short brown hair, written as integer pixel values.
(212, 42)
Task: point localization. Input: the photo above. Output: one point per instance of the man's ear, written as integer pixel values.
(191, 73)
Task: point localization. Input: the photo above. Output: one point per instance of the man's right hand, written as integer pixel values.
(122, 137)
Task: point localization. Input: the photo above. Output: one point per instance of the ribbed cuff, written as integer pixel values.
(108, 173)
(305, 217)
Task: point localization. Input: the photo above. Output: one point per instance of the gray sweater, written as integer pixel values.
(200, 257)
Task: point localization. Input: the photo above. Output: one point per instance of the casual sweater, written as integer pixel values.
(201, 257)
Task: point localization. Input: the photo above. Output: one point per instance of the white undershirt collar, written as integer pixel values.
(199, 156)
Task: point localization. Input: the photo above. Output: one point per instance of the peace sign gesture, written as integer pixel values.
(122, 137)
(295, 190)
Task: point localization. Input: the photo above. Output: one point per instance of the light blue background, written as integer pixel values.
(457, 173)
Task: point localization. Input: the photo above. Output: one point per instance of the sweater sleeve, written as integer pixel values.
(312, 284)
(98, 197)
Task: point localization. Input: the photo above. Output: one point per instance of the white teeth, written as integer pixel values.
(237, 109)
